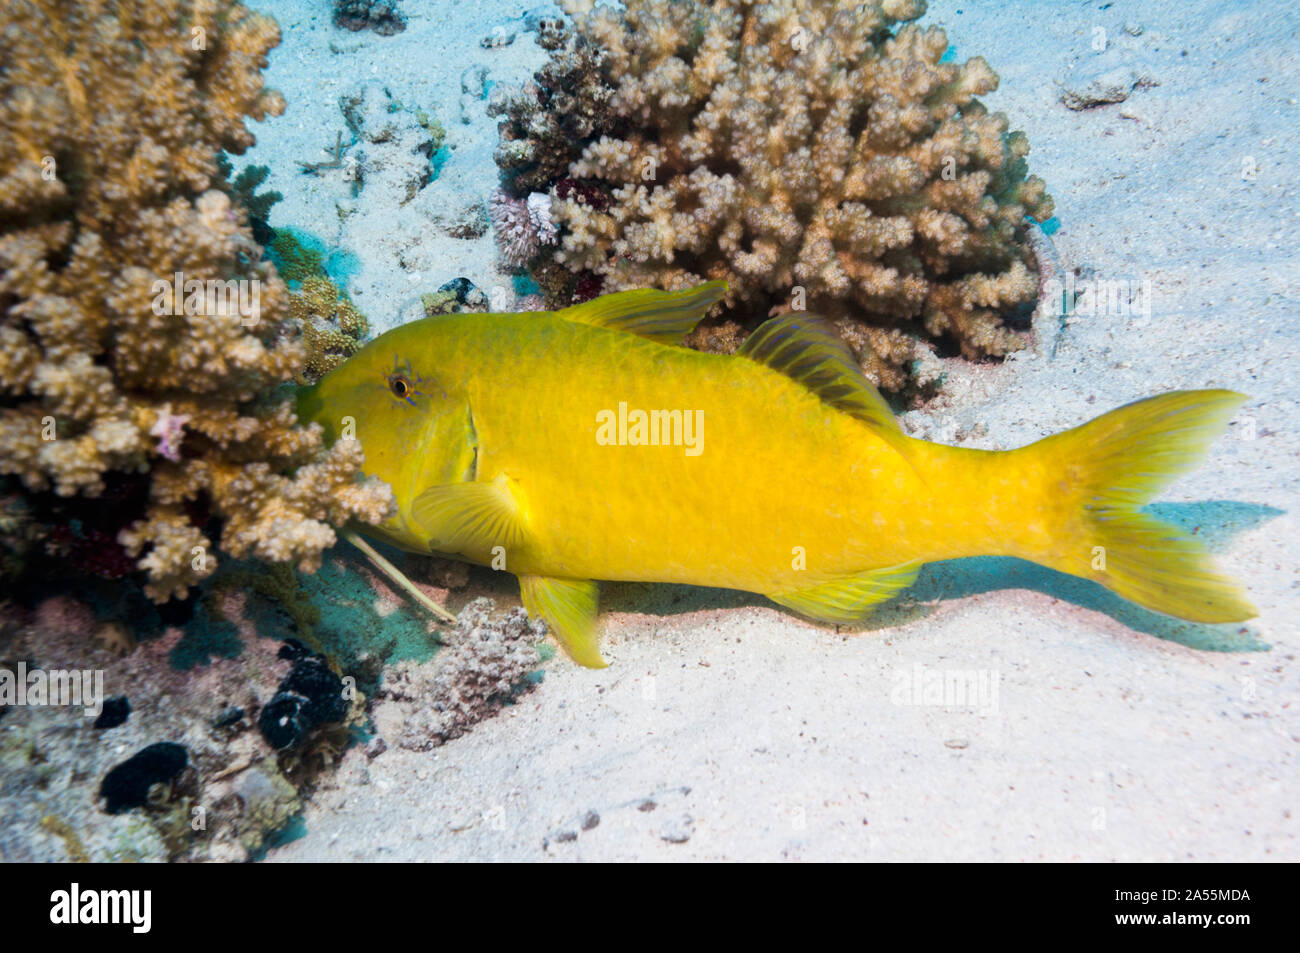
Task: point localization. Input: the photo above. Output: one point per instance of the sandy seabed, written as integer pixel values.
(999, 711)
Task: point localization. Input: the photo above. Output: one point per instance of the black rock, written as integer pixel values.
(310, 695)
(462, 287)
(282, 722)
(293, 650)
(229, 717)
(323, 690)
(114, 713)
(127, 785)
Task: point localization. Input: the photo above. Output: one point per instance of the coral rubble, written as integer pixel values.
(397, 142)
(487, 663)
(179, 779)
(382, 16)
(141, 332)
(816, 154)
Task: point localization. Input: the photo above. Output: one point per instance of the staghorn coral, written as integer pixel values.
(140, 331)
(813, 153)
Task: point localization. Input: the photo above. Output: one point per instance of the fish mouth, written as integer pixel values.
(307, 405)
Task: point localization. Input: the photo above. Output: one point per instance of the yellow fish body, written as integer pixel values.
(587, 444)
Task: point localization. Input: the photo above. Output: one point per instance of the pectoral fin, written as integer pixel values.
(849, 600)
(471, 518)
(569, 608)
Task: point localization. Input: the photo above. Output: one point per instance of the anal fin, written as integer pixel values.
(569, 608)
(848, 600)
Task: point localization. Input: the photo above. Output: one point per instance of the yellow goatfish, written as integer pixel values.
(588, 444)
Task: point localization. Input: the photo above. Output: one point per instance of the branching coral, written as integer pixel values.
(813, 153)
(332, 328)
(256, 205)
(522, 226)
(139, 329)
(548, 120)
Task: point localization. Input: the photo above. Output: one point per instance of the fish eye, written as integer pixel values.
(400, 386)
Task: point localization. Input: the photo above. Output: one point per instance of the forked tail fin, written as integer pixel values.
(1109, 468)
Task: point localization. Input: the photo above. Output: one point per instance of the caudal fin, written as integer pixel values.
(1115, 464)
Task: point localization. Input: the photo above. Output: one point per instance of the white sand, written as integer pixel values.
(1103, 733)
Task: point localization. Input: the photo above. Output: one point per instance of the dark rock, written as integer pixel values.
(229, 717)
(293, 650)
(310, 695)
(461, 287)
(114, 713)
(323, 690)
(282, 722)
(127, 785)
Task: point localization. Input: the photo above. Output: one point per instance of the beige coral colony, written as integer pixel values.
(815, 154)
(143, 335)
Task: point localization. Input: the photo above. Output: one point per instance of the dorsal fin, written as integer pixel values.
(807, 349)
(663, 316)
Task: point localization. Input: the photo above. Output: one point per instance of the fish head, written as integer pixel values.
(399, 397)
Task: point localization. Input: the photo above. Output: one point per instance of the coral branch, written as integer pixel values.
(141, 330)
